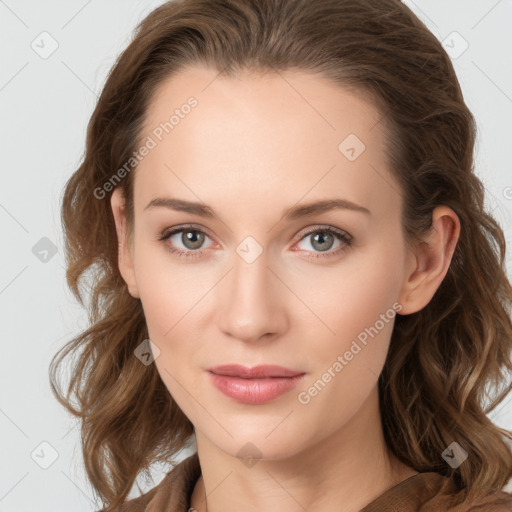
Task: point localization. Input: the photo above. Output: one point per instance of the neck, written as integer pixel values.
(342, 472)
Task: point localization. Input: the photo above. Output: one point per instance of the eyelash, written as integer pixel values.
(346, 239)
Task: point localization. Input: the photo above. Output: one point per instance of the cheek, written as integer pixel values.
(167, 291)
(347, 366)
(358, 312)
(170, 297)
(347, 301)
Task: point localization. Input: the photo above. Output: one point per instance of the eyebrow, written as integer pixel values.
(292, 213)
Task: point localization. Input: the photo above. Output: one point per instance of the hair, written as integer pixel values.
(442, 361)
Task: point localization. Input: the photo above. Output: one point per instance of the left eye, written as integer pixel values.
(322, 240)
(193, 238)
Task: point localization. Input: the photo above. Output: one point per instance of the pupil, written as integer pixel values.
(189, 237)
(322, 237)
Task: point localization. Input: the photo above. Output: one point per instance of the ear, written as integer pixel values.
(125, 257)
(428, 264)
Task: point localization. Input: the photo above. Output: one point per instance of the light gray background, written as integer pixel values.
(45, 107)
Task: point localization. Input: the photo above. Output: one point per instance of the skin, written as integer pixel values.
(254, 146)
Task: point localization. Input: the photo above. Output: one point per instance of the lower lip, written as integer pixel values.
(254, 391)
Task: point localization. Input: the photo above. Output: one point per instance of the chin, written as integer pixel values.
(254, 448)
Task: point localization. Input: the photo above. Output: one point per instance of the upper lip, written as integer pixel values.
(261, 371)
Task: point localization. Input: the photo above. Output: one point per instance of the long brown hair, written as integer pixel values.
(443, 360)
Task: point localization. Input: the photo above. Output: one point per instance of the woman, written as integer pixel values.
(232, 139)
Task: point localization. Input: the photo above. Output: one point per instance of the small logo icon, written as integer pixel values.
(351, 147)
(455, 45)
(455, 455)
(147, 352)
(249, 249)
(44, 455)
(249, 454)
(44, 45)
(44, 250)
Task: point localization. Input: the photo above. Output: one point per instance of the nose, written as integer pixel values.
(251, 301)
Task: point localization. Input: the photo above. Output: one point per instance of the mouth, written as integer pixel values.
(257, 372)
(256, 385)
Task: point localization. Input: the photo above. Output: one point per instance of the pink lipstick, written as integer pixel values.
(256, 385)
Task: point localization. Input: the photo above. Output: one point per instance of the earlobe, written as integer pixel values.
(125, 260)
(430, 261)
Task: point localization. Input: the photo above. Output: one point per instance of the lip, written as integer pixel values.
(257, 372)
(256, 385)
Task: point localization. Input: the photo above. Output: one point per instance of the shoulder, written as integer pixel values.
(443, 499)
(171, 494)
(497, 502)
(433, 492)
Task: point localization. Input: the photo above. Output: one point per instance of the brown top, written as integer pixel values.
(419, 493)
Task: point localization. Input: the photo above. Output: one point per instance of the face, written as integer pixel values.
(316, 293)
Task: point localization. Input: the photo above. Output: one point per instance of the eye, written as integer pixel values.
(192, 238)
(322, 239)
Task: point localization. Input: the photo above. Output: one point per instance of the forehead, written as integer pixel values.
(289, 135)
